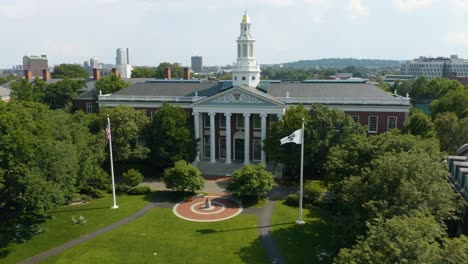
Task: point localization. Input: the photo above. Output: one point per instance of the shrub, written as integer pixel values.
(251, 180)
(93, 192)
(292, 200)
(313, 191)
(122, 188)
(132, 177)
(139, 190)
(183, 177)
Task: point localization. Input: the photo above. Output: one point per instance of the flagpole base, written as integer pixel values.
(115, 207)
(300, 222)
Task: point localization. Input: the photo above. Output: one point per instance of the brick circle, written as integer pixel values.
(223, 208)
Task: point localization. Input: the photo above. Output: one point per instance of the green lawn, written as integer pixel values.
(161, 237)
(304, 243)
(60, 229)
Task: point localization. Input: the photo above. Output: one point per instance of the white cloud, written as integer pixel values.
(456, 38)
(358, 8)
(412, 5)
(460, 5)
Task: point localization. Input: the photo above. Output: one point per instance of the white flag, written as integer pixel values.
(295, 137)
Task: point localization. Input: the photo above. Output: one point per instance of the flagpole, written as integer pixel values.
(300, 221)
(115, 206)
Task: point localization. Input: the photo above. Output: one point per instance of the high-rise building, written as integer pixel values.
(121, 57)
(36, 64)
(122, 63)
(197, 64)
(436, 67)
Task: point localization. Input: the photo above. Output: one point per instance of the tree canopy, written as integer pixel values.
(110, 84)
(144, 72)
(455, 101)
(171, 137)
(451, 131)
(419, 124)
(251, 180)
(422, 88)
(183, 177)
(177, 72)
(69, 71)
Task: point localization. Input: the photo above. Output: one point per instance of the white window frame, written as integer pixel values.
(253, 149)
(221, 123)
(369, 124)
(355, 118)
(388, 122)
(206, 147)
(222, 152)
(206, 120)
(89, 107)
(240, 118)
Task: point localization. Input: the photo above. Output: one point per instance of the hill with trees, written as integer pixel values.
(343, 63)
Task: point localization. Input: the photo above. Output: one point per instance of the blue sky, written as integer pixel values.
(286, 30)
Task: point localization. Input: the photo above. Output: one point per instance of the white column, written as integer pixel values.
(228, 138)
(246, 138)
(263, 135)
(212, 137)
(196, 121)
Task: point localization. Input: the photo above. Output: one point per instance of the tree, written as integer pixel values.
(251, 180)
(171, 137)
(183, 177)
(24, 90)
(143, 72)
(110, 84)
(419, 124)
(61, 94)
(129, 127)
(402, 239)
(176, 71)
(69, 71)
(451, 131)
(132, 177)
(455, 101)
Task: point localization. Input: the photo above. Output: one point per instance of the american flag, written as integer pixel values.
(108, 134)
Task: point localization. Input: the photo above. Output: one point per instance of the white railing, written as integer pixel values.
(308, 100)
(150, 98)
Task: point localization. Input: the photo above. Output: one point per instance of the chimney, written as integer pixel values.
(28, 75)
(115, 72)
(187, 73)
(96, 74)
(46, 74)
(167, 73)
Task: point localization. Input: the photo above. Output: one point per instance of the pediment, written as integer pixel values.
(240, 96)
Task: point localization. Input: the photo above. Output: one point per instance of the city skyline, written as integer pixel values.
(285, 30)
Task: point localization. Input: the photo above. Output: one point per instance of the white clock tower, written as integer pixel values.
(246, 70)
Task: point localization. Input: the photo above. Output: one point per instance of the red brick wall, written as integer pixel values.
(382, 119)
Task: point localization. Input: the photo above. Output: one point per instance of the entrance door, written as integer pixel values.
(239, 149)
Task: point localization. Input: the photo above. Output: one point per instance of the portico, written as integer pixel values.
(232, 125)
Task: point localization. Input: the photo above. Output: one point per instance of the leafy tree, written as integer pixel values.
(451, 131)
(455, 101)
(24, 90)
(143, 72)
(324, 128)
(419, 89)
(251, 180)
(69, 71)
(176, 70)
(419, 124)
(61, 94)
(132, 177)
(110, 84)
(7, 78)
(171, 137)
(402, 239)
(128, 127)
(183, 177)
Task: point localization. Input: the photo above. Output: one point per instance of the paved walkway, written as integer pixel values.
(264, 223)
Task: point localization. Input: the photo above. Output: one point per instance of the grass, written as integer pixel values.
(59, 228)
(161, 237)
(305, 243)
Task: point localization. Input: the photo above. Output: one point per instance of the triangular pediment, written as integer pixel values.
(241, 96)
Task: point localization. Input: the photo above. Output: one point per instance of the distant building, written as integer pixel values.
(36, 64)
(123, 66)
(197, 64)
(436, 67)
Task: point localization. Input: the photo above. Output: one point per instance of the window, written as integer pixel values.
(257, 121)
(253, 77)
(257, 149)
(222, 121)
(206, 146)
(238, 50)
(239, 121)
(206, 120)
(251, 50)
(273, 118)
(222, 147)
(243, 78)
(355, 118)
(89, 107)
(391, 122)
(244, 51)
(372, 125)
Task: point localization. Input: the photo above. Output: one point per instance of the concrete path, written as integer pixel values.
(264, 228)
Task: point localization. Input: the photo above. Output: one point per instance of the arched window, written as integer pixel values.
(243, 78)
(244, 51)
(251, 50)
(238, 50)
